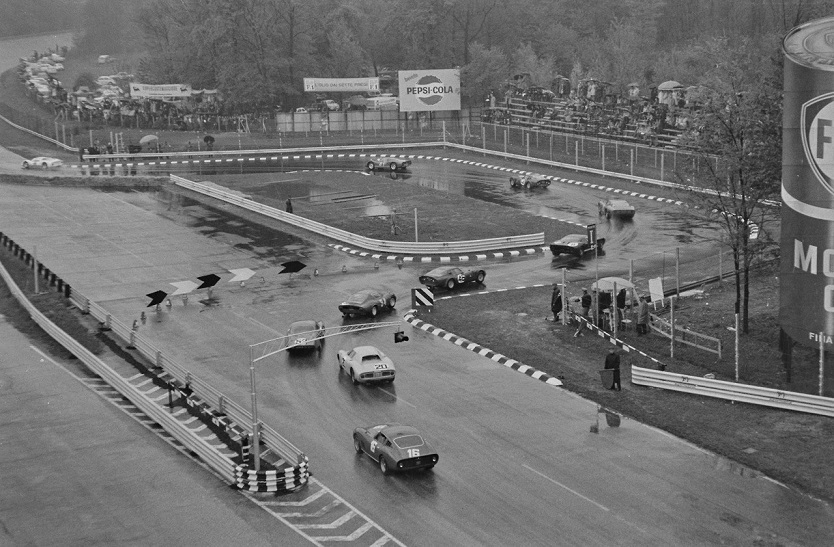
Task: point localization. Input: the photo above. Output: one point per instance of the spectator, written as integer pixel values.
(603, 305)
(643, 316)
(612, 362)
(289, 205)
(585, 302)
(556, 302)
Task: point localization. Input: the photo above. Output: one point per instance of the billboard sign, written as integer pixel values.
(806, 292)
(429, 90)
(148, 91)
(327, 85)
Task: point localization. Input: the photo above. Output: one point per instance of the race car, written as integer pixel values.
(449, 277)
(529, 182)
(618, 208)
(387, 162)
(395, 447)
(575, 244)
(43, 162)
(305, 335)
(368, 302)
(366, 364)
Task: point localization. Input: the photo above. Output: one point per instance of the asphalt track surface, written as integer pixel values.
(518, 464)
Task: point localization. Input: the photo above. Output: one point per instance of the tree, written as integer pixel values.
(737, 133)
(487, 71)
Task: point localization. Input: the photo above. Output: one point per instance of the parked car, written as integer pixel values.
(366, 364)
(450, 277)
(390, 162)
(618, 208)
(42, 162)
(395, 447)
(529, 182)
(330, 104)
(368, 302)
(575, 244)
(305, 334)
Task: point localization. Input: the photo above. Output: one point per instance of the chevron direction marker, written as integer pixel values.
(209, 281)
(241, 274)
(156, 298)
(184, 287)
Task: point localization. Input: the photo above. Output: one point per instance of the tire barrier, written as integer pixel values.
(51, 279)
(288, 468)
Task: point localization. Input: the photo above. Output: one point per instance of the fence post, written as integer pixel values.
(822, 361)
(603, 156)
(678, 271)
(528, 148)
(576, 152)
(662, 158)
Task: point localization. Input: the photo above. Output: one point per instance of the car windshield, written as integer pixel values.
(302, 327)
(574, 237)
(373, 357)
(409, 441)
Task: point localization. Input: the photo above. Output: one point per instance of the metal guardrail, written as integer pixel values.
(390, 247)
(731, 391)
(36, 134)
(217, 461)
(241, 417)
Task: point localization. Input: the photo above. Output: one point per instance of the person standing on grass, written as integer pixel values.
(585, 302)
(289, 205)
(556, 302)
(643, 316)
(612, 362)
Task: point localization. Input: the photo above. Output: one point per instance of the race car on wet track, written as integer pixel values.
(395, 447)
(42, 162)
(366, 364)
(305, 335)
(387, 162)
(616, 208)
(368, 302)
(449, 277)
(576, 245)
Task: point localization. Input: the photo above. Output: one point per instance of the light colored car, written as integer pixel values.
(391, 163)
(42, 162)
(395, 447)
(366, 364)
(330, 104)
(105, 80)
(305, 335)
(616, 208)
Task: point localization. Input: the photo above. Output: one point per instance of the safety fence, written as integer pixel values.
(685, 336)
(708, 387)
(217, 407)
(388, 247)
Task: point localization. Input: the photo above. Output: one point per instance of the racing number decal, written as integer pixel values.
(413, 452)
(380, 366)
(461, 278)
(373, 445)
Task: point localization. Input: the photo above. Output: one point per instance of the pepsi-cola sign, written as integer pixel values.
(426, 90)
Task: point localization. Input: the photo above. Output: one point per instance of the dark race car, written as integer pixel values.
(368, 302)
(449, 277)
(616, 208)
(576, 245)
(305, 335)
(529, 182)
(395, 447)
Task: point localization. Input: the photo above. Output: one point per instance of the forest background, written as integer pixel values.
(258, 51)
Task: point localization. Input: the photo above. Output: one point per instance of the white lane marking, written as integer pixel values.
(557, 483)
(396, 397)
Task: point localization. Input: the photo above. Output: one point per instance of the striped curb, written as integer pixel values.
(480, 350)
(432, 258)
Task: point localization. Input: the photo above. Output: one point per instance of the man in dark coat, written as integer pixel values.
(556, 302)
(612, 362)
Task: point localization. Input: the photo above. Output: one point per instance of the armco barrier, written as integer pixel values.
(241, 417)
(388, 247)
(731, 391)
(217, 461)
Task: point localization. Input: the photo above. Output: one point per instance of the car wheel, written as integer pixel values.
(374, 311)
(383, 465)
(392, 302)
(357, 445)
(481, 276)
(528, 185)
(450, 284)
(371, 165)
(353, 377)
(392, 166)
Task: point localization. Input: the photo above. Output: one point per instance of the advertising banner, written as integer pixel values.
(806, 292)
(148, 91)
(324, 85)
(429, 90)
